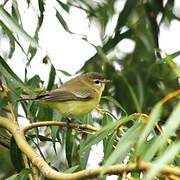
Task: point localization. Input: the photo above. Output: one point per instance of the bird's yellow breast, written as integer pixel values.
(75, 108)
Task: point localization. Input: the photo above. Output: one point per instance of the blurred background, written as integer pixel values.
(135, 43)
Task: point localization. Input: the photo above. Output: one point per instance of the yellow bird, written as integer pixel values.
(77, 96)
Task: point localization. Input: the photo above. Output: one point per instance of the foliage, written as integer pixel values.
(140, 80)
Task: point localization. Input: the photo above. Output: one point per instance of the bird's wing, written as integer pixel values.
(64, 95)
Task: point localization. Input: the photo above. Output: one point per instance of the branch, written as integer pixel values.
(61, 124)
(50, 173)
(170, 96)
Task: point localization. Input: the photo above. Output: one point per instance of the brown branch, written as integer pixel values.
(50, 173)
(170, 96)
(61, 124)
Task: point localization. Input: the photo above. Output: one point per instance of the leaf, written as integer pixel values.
(170, 127)
(124, 145)
(54, 132)
(31, 53)
(115, 102)
(15, 12)
(164, 159)
(64, 72)
(45, 59)
(153, 119)
(44, 112)
(40, 137)
(84, 156)
(12, 39)
(9, 74)
(3, 101)
(63, 5)
(13, 177)
(62, 21)
(72, 169)
(174, 55)
(16, 27)
(16, 156)
(108, 145)
(134, 97)
(124, 15)
(52, 76)
(174, 67)
(24, 174)
(34, 82)
(69, 146)
(41, 9)
(103, 132)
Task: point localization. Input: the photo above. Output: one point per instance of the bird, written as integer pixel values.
(76, 97)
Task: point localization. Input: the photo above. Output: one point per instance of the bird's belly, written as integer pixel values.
(74, 108)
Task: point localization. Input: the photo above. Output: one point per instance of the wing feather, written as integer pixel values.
(63, 95)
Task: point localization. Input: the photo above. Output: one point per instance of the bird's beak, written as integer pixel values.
(106, 81)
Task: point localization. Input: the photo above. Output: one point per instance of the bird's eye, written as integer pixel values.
(97, 81)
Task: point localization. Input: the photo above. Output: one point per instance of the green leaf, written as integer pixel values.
(69, 146)
(84, 156)
(164, 159)
(9, 74)
(31, 53)
(153, 119)
(24, 174)
(6, 17)
(124, 145)
(174, 67)
(44, 112)
(41, 9)
(45, 59)
(34, 82)
(12, 39)
(72, 169)
(131, 90)
(3, 101)
(169, 128)
(174, 55)
(108, 145)
(63, 5)
(16, 156)
(125, 13)
(103, 132)
(62, 21)
(115, 102)
(15, 12)
(54, 133)
(40, 137)
(52, 76)
(13, 177)
(64, 72)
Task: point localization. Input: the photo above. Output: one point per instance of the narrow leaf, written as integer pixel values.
(164, 159)
(54, 131)
(16, 156)
(124, 145)
(115, 102)
(12, 39)
(52, 76)
(16, 27)
(9, 74)
(153, 119)
(63, 5)
(62, 21)
(170, 127)
(101, 134)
